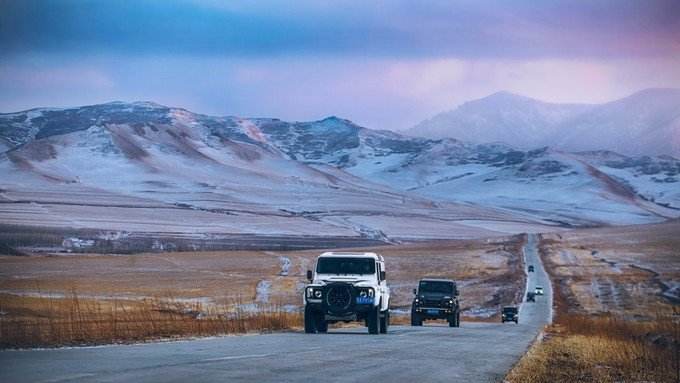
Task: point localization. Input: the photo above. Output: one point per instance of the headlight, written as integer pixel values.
(450, 302)
(312, 292)
(363, 293)
(366, 292)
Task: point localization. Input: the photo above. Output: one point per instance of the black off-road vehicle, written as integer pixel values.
(510, 314)
(435, 299)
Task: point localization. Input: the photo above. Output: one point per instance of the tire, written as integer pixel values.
(310, 320)
(384, 321)
(416, 320)
(374, 321)
(321, 325)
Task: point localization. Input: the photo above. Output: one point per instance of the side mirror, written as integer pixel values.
(310, 276)
(382, 275)
(415, 292)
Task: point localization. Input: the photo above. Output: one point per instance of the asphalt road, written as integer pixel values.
(475, 352)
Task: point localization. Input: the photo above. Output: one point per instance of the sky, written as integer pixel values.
(382, 64)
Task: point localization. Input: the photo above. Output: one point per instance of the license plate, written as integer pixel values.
(434, 312)
(364, 300)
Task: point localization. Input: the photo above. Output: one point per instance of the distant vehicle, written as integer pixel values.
(510, 314)
(531, 268)
(435, 299)
(538, 290)
(531, 297)
(347, 287)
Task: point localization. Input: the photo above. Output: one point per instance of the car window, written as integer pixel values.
(435, 287)
(348, 265)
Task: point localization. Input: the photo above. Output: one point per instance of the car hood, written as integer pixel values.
(434, 296)
(354, 280)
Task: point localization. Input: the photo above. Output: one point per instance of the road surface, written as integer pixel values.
(475, 352)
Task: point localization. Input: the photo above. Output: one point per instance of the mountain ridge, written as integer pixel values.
(331, 173)
(650, 117)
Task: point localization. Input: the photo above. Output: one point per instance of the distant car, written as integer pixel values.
(531, 268)
(531, 297)
(538, 290)
(510, 314)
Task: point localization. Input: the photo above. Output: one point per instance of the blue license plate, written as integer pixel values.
(433, 312)
(364, 300)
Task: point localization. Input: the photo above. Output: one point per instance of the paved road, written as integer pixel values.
(475, 352)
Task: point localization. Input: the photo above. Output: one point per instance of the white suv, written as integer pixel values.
(347, 287)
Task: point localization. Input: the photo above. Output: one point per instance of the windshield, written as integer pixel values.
(435, 287)
(345, 266)
(509, 310)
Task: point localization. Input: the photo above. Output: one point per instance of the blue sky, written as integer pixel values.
(385, 65)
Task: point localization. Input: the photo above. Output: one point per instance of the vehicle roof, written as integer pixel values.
(347, 254)
(437, 280)
(539, 287)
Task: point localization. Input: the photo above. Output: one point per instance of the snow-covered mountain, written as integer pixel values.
(645, 123)
(143, 167)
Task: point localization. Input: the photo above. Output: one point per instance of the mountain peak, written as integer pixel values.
(646, 122)
(142, 104)
(506, 95)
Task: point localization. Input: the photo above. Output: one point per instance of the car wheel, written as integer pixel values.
(374, 321)
(321, 324)
(455, 320)
(415, 319)
(384, 321)
(310, 320)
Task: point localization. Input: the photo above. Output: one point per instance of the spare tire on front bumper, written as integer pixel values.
(339, 298)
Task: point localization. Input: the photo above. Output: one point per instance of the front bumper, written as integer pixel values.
(356, 312)
(434, 312)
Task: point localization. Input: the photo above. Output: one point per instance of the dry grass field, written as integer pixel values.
(201, 293)
(586, 348)
(633, 271)
(73, 321)
(617, 317)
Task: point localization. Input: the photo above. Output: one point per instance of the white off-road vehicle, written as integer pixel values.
(347, 287)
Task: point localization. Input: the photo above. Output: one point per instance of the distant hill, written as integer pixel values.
(645, 123)
(146, 167)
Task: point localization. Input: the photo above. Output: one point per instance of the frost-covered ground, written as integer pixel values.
(146, 168)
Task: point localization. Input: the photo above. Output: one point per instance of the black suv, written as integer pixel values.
(510, 314)
(435, 299)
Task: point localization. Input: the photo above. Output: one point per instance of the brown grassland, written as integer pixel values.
(612, 323)
(75, 299)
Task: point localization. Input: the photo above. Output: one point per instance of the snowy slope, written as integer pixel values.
(150, 168)
(541, 184)
(213, 174)
(501, 117)
(645, 123)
